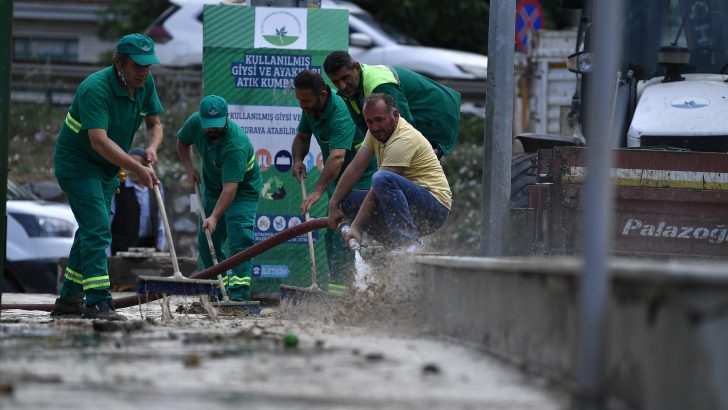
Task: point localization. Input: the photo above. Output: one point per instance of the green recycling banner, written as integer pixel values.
(251, 55)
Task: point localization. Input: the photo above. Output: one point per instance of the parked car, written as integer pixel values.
(39, 233)
(178, 37)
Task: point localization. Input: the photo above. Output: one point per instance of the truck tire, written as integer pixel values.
(523, 174)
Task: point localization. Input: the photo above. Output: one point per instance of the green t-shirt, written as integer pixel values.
(432, 108)
(232, 159)
(101, 102)
(336, 130)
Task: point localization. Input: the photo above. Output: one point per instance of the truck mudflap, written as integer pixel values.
(667, 203)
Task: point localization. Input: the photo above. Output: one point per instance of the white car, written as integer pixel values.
(177, 34)
(38, 234)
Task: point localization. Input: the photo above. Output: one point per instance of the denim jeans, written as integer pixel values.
(405, 211)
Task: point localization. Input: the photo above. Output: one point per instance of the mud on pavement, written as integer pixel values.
(364, 351)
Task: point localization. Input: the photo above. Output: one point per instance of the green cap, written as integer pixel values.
(213, 112)
(139, 47)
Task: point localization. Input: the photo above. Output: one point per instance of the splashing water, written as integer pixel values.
(363, 276)
(166, 311)
(211, 311)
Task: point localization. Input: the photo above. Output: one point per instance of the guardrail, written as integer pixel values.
(57, 82)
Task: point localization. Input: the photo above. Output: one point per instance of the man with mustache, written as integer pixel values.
(326, 117)
(410, 196)
(92, 145)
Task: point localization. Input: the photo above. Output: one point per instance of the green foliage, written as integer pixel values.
(558, 18)
(33, 131)
(179, 100)
(34, 128)
(464, 170)
(123, 17)
(459, 25)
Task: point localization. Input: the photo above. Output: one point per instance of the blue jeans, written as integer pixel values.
(405, 211)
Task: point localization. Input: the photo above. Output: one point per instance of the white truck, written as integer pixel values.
(671, 120)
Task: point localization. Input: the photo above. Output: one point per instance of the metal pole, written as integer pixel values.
(6, 47)
(598, 215)
(497, 141)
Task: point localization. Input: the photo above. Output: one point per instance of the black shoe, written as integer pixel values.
(103, 311)
(67, 308)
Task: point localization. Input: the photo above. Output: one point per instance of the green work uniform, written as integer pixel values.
(89, 180)
(336, 130)
(432, 108)
(232, 159)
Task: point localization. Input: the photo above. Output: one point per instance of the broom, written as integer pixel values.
(295, 292)
(176, 284)
(226, 306)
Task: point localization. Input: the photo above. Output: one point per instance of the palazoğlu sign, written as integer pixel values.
(251, 55)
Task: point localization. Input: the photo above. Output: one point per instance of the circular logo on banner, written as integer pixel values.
(283, 161)
(263, 223)
(320, 162)
(281, 28)
(264, 159)
(279, 223)
(294, 221)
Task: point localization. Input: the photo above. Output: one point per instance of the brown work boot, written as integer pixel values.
(102, 311)
(67, 308)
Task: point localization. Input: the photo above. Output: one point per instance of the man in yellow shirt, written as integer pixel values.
(410, 196)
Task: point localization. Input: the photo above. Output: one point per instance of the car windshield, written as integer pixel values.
(386, 30)
(698, 25)
(18, 193)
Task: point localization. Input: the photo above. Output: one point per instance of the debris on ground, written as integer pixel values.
(276, 360)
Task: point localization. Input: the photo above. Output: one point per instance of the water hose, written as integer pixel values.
(235, 260)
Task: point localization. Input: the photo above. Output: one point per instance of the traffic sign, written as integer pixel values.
(529, 18)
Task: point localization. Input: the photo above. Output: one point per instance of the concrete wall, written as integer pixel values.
(667, 331)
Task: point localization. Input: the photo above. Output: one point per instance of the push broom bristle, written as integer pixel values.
(155, 285)
(297, 294)
(229, 308)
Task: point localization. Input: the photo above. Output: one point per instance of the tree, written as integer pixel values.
(460, 25)
(123, 17)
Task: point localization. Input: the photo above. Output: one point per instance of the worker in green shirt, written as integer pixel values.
(92, 145)
(432, 108)
(231, 184)
(326, 118)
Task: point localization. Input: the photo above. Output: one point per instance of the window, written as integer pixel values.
(41, 49)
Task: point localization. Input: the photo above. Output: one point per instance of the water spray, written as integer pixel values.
(363, 275)
(344, 228)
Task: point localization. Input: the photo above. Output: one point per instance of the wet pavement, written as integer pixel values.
(278, 360)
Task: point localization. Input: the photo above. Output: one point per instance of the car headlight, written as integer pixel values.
(479, 71)
(44, 226)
